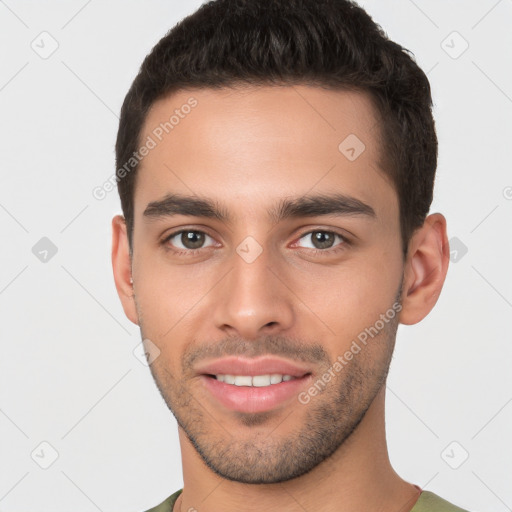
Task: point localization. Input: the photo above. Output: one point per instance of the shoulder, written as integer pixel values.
(427, 502)
(430, 502)
(166, 505)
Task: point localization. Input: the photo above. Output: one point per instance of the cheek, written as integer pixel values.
(350, 297)
(168, 295)
(377, 289)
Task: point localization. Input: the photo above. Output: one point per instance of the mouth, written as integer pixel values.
(254, 385)
(258, 381)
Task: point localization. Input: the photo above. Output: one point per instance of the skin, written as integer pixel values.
(248, 148)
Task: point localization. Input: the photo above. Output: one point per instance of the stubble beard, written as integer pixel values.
(324, 425)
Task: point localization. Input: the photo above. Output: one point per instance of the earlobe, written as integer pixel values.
(425, 269)
(121, 265)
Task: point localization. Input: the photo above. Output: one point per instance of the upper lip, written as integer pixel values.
(256, 366)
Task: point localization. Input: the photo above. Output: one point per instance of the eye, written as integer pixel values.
(187, 240)
(322, 240)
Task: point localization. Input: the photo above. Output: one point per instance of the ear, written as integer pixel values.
(121, 265)
(425, 269)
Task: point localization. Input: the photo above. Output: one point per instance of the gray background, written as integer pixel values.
(68, 374)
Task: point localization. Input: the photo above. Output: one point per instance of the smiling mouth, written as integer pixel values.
(258, 381)
(253, 385)
(254, 393)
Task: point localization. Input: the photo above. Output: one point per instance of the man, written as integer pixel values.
(276, 162)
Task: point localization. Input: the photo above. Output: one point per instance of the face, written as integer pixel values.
(265, 244)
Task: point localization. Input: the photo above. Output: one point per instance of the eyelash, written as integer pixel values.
(191, 252)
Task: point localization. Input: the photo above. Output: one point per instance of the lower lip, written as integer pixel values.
(253, 399)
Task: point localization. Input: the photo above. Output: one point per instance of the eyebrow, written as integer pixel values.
(304, 206)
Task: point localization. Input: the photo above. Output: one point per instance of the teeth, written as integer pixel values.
(275, 378)
(261, 380)
(256, 381)
(243, 381)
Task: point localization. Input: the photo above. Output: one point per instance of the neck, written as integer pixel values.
(358, 476)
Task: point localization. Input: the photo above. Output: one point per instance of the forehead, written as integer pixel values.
(256, 144)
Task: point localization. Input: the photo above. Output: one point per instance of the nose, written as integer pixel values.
(253, 299)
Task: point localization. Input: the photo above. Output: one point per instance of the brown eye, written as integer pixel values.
(192, 239)
(321, 239)
(188, 239)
